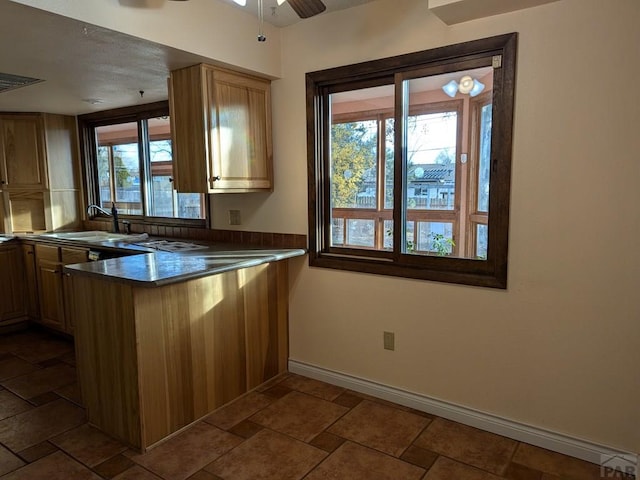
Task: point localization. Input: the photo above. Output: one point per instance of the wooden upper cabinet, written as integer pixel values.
(221, 128)
(22, 151)
(39, 172)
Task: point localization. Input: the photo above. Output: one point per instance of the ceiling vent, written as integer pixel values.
(9, 82)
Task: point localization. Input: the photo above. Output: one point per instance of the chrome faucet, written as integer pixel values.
(99, 208)
(113, 213)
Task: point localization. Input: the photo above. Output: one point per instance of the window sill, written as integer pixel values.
(480, 273)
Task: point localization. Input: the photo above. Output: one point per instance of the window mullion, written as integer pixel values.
(326, 218)
(112, 174)
(145, 167)
(380, 183)
(399, 170)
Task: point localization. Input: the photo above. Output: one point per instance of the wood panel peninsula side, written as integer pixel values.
(154, 359)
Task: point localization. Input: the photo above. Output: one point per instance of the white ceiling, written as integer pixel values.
(86, 68)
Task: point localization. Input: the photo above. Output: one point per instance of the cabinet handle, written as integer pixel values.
(217, 177)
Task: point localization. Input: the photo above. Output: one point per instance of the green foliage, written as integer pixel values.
(442, 245)
(353, 153)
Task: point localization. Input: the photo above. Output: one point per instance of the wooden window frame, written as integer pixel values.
(475, 217)
(86, 126)
(491, 272)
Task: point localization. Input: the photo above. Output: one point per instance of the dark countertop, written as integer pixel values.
(163, 268)
(6, 238)
(144, 266)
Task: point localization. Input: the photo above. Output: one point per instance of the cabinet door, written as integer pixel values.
(241, 134)
(70, 256)
(51, 301)
(49, 274)
(67, 294)
(189, 129)
(4, 220)
(26, 211)
(31, 284)
(22, 155)
(12, 299)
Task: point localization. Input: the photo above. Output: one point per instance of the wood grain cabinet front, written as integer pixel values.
(54, 288)
(221, 129)
(39, 172)
(12, 290)
(167, 356)
(31, 281)
(22, 151)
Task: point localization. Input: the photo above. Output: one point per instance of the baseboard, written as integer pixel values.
(556, 442)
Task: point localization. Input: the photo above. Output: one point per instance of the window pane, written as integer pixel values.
(354, 178)
(165, 201)
(484, 158)
(388, 163)
(361, 233)
(190, 205)
(435, 238)
(361, 165)
(482, 239)
(162, 196)
(431, 160)
(104, 176)
(127, 178)
(337, 231)
(118, 144)
(388, 235)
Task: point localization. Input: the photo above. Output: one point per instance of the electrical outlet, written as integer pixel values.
(389, 340)
(234, 217)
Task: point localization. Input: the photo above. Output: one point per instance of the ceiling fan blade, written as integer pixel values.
(307, 8)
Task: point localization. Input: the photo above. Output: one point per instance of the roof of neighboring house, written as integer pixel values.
(432, 173)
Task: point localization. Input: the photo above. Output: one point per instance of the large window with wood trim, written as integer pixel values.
(409, 164)
(129, 163)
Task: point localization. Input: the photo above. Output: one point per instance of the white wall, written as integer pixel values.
(559, 348)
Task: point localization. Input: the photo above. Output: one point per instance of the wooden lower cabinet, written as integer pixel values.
(54, 287)
(31, 281)
(154, 360)
(12, 290)
(51, 304)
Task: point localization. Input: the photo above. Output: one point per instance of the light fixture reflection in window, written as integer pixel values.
(467, 85)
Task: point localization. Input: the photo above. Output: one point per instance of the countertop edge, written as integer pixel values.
(123, 269)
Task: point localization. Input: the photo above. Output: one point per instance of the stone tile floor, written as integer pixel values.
(291, 428)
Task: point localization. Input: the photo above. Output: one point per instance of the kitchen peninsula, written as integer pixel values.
(163, 339)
